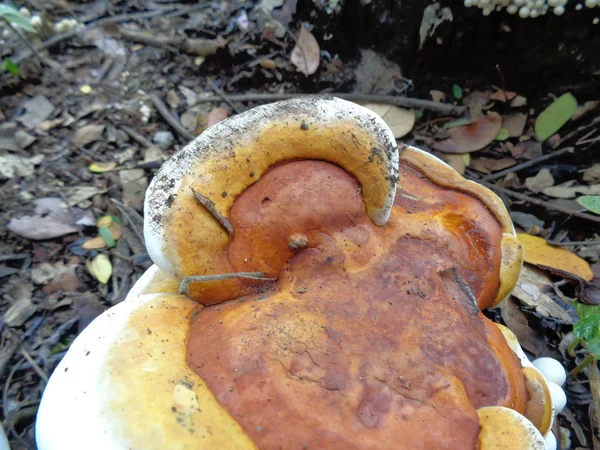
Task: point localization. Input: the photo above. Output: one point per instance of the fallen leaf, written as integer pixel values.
(306, 54)
(514, 123)
(500, 95)
(37, 110)
(88, 134)
(456, 161)
(457, 92)
(191, 97)
(107, 236)
(13, 139)
(555, 116)
(173, 99)
(268, 64)
(101, 167)
(217, 115)
(19, 312)
(592, 174)
(541, 181)
(100, 268)
(528, 222)
(88, 307)
(487, 165)
(52, 219)
(204, 47)
(590, 202)
(95, 243)
(473, 137)
(534, 289)
(433, 16)
(571, 190)
(527, 150)
(42, 273)
(502, 135)
(539, 252)
(518, 101)
(134, 184)
(18, 166)
(79, 194)
(584, 109)
(400, 120)
(437, 96)
(65, 279)
(516, 320)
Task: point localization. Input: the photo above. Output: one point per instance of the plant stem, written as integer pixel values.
(586, 362)
(571, 347)
(23, 38)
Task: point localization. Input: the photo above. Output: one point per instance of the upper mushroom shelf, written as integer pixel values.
(314, 287)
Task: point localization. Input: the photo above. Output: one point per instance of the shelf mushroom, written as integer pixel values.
(313, 287)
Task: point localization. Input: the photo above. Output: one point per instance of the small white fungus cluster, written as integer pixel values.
(529, 8)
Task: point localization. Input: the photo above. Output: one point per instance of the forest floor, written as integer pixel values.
(87, 120)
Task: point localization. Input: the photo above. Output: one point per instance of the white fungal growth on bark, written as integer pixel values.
(529, 8)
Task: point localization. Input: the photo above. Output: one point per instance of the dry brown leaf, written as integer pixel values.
(268, 64)
(571, 190)
(518, 101)
(592, 174)
(515, 124)
(487, 165)
(217, 115)
(95, 243)
(456, 161)
(52, 219)
(501, 95)
(527, 150)
(516, 320)
(539, 252)
(437, 96)
(472, 137)
(306, 54)
(88, 134)
(534, 290)
(400, 120)
(584, 109)
(541, 181)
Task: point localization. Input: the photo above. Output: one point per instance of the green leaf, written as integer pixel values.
(12, 67)
(591, 202)
(15, 18)
(457, 92)
(593, 345)
(502, 135)
(100, 267)
(555, 116)
(587, 328)
(106, 234)
(584, 311)
(418, 114)
(457, 123)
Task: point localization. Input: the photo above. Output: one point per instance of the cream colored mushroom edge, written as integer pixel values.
(314, 287)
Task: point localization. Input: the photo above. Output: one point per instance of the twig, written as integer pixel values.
(543, 203)
(138, 137)
(23, 38)
(573, 243)
(164, 112)
(408, 102)
(34, 365)
(527, 164)
(54, 40)
(210, 207)
(123, 209)
(223, 276)
(221, 93)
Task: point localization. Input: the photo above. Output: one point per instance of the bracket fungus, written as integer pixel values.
(314, 287)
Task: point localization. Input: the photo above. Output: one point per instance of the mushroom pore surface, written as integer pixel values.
(371, 337)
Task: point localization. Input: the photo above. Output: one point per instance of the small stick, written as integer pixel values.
(543, 203)
(527, 164)
(23, 38)
(164, 112)
(573, 243)
(138, 137)
(223, 276)
(123, 209)
(221, 93)
(210, 207)
(34, 365)
(444, 108)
